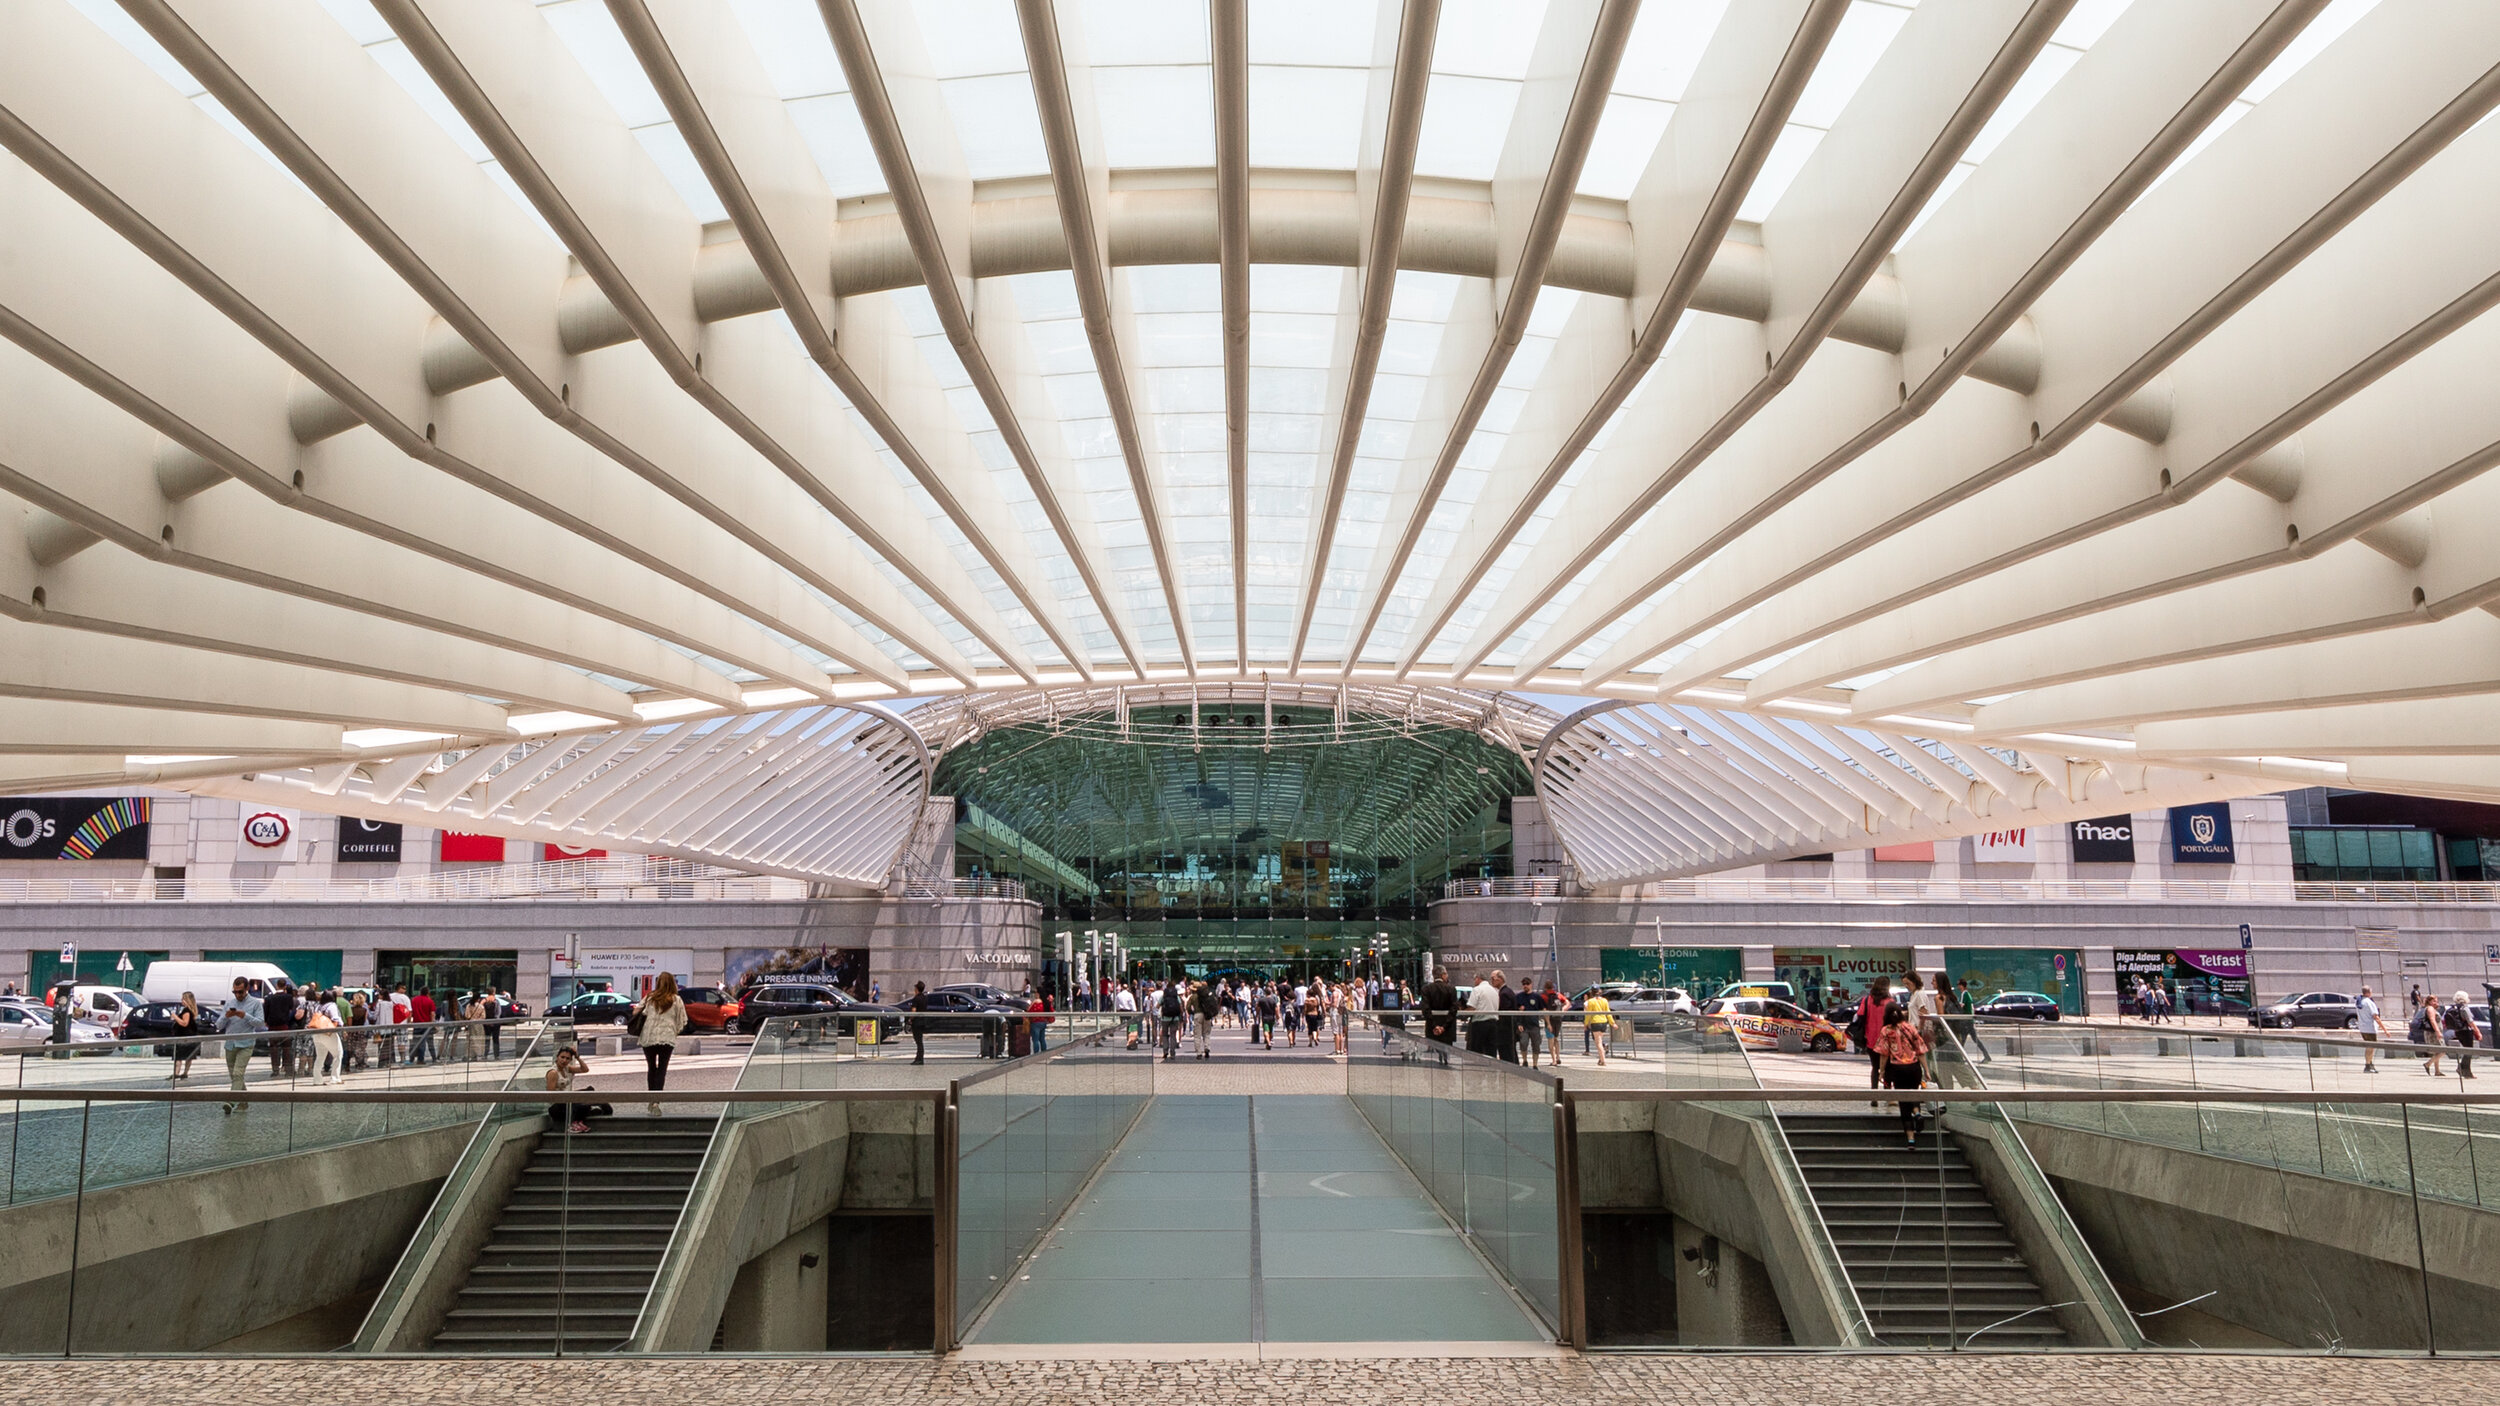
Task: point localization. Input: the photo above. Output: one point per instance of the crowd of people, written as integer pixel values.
(325, 1034)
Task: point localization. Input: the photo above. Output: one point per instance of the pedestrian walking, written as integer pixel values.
(1904, 1053)
(2427, 1033)
(1867, 1027)
(326, 1056)
(1597, 1017)
(189, 1020)
(915, 1003)
(655, 1024)
(1202, 1008)
(2460, 1021)
(1168, 1009)
(238, 1020)
(2365, 1019)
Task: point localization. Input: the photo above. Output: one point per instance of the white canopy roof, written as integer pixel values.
(2093, 380)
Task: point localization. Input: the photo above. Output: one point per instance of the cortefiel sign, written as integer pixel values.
(2201, 834)
(369, 841)
(2108, 840)
(74, 827)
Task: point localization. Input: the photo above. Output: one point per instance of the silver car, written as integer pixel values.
(32, 1025)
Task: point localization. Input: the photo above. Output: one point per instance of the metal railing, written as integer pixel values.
(651, 878)
(1869, 889)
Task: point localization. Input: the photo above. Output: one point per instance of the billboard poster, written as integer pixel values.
(631, 970)
(2201, 834)
(2108, 840)
(2200, 980)
(1924, 852)
(74, 827)
(845, 967)
(1699, 970)
(556, 852)
(2055, 972)
(369, 841)
(2001, 847)
(1821, 975)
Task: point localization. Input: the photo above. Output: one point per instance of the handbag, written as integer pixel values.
(633, 1023)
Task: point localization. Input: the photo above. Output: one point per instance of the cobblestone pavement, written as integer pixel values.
(1721, 1379)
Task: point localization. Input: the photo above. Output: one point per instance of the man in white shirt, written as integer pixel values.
(2367, 1020)
(1484, 1000)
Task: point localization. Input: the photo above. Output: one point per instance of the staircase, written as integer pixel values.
(1879, 1196)
(629, 1182)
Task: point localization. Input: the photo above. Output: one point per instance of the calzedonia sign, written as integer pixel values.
(2108, 840)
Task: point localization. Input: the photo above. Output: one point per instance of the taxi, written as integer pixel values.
(1759, 1021)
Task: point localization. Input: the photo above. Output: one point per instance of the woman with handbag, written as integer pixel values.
(1903, 1052)
(656, 1024)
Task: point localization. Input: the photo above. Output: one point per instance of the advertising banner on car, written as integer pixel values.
(74, 827)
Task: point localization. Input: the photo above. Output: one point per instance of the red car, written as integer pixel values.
(710, 1008)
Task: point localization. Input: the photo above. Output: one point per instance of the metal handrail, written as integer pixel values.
(89, 1049)
(2036, 1188)
(707, 1172)
(1854, 888)
(1793, 1189)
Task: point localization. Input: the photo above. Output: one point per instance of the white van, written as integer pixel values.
(209, 981)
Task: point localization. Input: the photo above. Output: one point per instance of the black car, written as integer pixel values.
(958, 1010)
(2316, 1010)
(596, 1008)
(986, 994)
(154, 1020)
(813, 996)
(2019, 1005)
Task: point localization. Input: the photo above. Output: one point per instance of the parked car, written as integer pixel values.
(1759, 1021)
(32, 1025)
(2315, 1010)
(957, 1010)
(155, 1020)
(112, 1005)
(2020, 1005)
(709, 1007)
(1646, 1007)
(812, 996)
(596, 1008)
(1768, 990)
(987, 994)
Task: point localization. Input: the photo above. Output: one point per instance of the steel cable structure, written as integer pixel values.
(2091, 391)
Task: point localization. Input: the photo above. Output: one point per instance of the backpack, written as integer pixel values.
(1388, 998)
(1170, 1009)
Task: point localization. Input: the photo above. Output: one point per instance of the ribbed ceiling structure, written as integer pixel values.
(2094, 379)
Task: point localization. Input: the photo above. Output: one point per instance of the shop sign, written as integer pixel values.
(268, 833)
(369, 841)
(472, 849)
(1924, 852)
(999, 959)
(2002, 847)
(2108, 840)
(1475, 959)
(556, 852)
(2201, 834)
(74, 827)
(623, 964)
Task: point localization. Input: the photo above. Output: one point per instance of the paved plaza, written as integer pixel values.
(1721, 1379)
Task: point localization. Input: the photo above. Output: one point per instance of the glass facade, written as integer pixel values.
(1236, 832)
(2364, 854)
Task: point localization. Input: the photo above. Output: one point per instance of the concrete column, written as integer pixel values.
(777, 1303)
(1758, 964)
(1723, 1296)
(2100, 981)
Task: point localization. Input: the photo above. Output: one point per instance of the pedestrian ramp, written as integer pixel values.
(1262, 1219)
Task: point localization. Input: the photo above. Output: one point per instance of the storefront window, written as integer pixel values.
(2358, 855)
(454, 972)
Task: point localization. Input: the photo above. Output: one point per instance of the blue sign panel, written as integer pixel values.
(2201, 834)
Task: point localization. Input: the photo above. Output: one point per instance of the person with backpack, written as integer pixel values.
(2460, 1021)
(1202, 1008)
(1903, 1052)
(1168, 1017)
(2426, 1032)
(1263, 1032)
